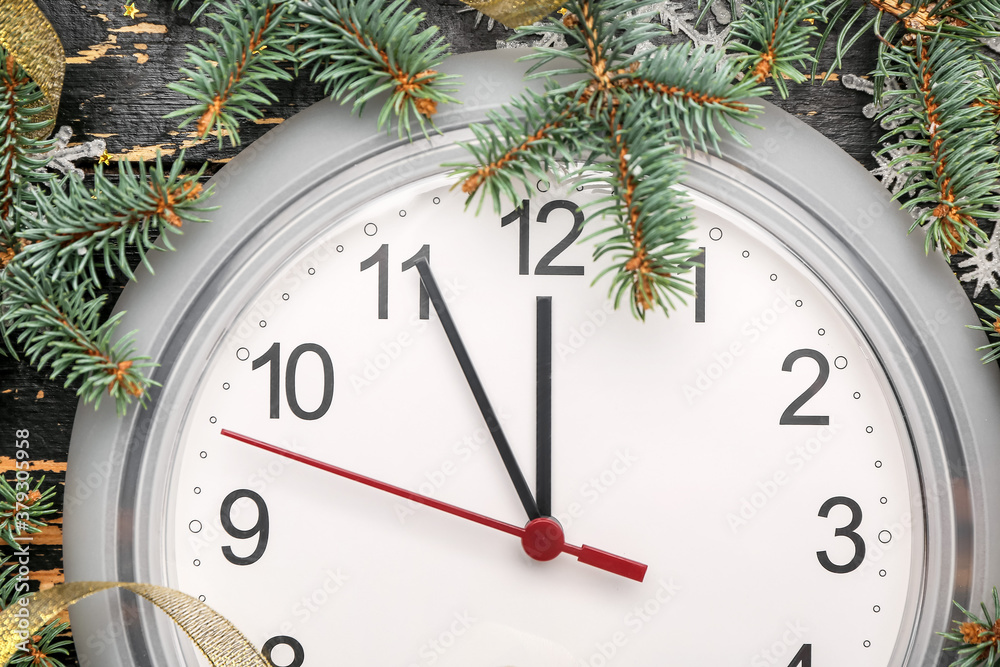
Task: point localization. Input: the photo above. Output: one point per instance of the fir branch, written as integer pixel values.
(8, 584)
(620, 121)
(358, 50)
(229, 74)
(991, 325)
(990, 96)
(205, 4)
(42, 646)
(955, 170)
(965, 19)
(978, 638)
(22, 511)
(600, 38)
(647, 243)
(54, 639)
(20, 154)
(78, 233)
(58, 328)
(695, 85)
(775, 38)
(523, 143)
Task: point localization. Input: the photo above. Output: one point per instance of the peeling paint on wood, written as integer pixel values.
(7, 464)
(95, 51)
(143, 29)
(145, 153)
(191, 143)
(47, 578)
(51, 534)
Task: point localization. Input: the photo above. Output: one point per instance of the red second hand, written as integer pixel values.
(542, 538)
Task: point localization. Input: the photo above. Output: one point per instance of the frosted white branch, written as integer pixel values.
(985, 264)
(479, 18)
(62, 157)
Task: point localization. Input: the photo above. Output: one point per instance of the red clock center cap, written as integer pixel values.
(543, 538)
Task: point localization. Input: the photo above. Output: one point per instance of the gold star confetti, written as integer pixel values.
(257, 51)
(563, 11)
(131, 10)
(104, 158)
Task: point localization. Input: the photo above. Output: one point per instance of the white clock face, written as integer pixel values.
(748, 450)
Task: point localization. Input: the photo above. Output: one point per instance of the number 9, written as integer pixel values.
(260, 528)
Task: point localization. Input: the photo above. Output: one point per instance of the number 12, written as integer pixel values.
(544, 267)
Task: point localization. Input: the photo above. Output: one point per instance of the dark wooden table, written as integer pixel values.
(115, 89)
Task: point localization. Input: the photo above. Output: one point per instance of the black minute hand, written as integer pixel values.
(506, 454)
(543, 404)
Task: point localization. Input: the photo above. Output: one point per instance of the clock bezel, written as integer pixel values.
(894, 277)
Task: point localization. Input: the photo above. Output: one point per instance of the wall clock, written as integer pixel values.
(788, 472)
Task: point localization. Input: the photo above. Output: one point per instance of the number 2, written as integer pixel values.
(789, 416)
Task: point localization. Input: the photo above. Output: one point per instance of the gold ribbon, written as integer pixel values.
(222, 644)
(515, 13)
(30, 38)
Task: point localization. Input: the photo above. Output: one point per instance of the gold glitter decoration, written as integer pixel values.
(31, 39)
(222, 644)
(515, 13)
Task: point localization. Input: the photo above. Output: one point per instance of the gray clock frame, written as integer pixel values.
(792, 181)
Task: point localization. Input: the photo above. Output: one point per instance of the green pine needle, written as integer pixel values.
(81, 234)
(359, 49)
(776, 38)
(51, 641)
(22, 508)
(21, 101)
(991, 325)
(977, 637)
(621, 120)
(648, 239)
(38, 649)
(59, 328)
(228, 75)
(951, 178)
